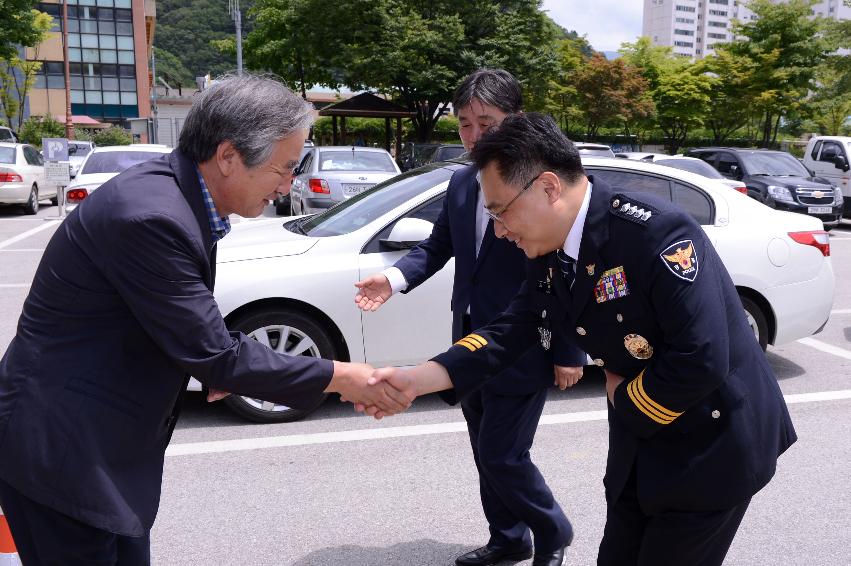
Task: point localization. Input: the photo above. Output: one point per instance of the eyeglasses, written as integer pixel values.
(497, 216)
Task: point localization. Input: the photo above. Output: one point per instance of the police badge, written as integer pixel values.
(638, 346)
(546, 337)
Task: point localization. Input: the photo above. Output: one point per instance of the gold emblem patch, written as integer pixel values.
(638, 346)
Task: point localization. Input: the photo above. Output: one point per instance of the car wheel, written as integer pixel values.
(757, 321)
(286, 332)
(32, 203)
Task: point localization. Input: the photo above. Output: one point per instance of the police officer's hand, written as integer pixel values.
(612, 382)
(216, 395)
(373, 292)
(567, 376)
(351, 381)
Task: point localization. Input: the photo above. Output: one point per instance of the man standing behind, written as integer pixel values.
(121, 313)
(503, 416)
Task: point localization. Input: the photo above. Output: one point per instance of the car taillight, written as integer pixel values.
(319, 186)
(817, 238)
(743, 189)
(76, 195)
(9, 177)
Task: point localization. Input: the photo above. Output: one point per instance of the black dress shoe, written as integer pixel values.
(493, 554)
(549, 558)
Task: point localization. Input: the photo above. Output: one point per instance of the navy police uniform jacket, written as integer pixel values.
(485, 283)
(700, 413)
(120, 313)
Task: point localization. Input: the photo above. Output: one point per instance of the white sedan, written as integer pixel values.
(291, 284)
(22, 177)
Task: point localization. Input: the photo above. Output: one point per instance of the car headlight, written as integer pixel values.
(837, 196)
(780, 193)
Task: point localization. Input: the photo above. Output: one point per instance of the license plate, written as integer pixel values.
(819, 210)
(351, 190)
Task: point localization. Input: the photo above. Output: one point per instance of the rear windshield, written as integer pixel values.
(7, 155)
(355, 161)
(117, 161)
(80, 149)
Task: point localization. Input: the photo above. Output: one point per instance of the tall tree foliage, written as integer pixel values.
(18, 26)
(17, 74)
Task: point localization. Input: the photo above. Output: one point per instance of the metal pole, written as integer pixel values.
(154, 130)
(69, 122)
(236, 16)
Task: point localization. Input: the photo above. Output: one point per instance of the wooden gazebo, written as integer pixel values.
(367, 105)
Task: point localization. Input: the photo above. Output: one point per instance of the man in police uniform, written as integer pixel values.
(696, 417)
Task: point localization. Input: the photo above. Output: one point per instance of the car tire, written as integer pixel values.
(757, 321)
(267, 326)
(32, 203)
(55, 201)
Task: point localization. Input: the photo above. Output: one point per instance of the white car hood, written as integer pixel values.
(261, 239)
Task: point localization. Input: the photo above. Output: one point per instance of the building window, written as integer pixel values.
(718, 25)
(718, 13)
(724, 2)
(683, 44)
(717, 35)
(685, 8)
(683, 32)
(685, 21)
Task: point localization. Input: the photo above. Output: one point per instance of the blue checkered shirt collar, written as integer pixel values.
(219, 225)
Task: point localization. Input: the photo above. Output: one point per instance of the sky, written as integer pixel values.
(606, 23)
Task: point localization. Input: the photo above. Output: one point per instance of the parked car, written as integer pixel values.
(104, 163)
(77, 152)
(778, 180)
(282, 202)
(7, 135)
(22, 178)
(829, 157)
(414, 154)
(291, 285)
(686, 164)
(445, 152)
(596, 149)
(332, 174)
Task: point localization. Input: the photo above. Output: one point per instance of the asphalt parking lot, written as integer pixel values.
(338, 488)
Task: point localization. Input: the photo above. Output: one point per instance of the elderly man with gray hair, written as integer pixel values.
(120, 314)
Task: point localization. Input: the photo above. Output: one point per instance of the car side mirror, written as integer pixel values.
(840, 162)
(406, 234)
(735, 172)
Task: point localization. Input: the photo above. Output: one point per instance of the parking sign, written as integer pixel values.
(55, 149)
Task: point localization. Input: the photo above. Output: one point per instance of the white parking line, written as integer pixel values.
(841, 311)
(27, 234)
(218, 446)
(825, 347)
(29, 250)
(15, 285)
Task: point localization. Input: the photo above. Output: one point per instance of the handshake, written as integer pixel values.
(376, 392)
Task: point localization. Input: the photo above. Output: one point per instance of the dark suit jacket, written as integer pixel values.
(486, 284)
(700, 413)
(120, 312)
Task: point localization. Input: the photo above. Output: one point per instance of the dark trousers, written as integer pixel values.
(515, 496)
(672, 538)
(46, 537)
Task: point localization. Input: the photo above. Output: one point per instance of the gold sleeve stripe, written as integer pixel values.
(640, 388)
(467, 345)
(476, 338)
(639, 403)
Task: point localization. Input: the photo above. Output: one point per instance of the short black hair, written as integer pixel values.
(496, 87)
(525, 145)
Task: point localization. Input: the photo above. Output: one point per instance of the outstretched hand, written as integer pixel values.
(373, 292)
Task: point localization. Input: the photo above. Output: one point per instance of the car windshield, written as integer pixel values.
(117, 161)
(353, 160)
(362, 209)
(449, 152)
(599, 151)
(773, 164)
(80, 149)
(692, 165)
(7, 155)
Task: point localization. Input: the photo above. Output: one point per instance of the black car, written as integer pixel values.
(778, 180)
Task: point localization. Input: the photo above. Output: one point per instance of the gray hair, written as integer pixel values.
(253, 112)
(495, 87)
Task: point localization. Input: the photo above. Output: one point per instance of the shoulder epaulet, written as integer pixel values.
(630, 209)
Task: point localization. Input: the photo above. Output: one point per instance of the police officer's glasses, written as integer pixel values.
(497, 216)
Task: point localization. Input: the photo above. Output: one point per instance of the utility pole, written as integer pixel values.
(154, 133)
(236, 16)
(69, 122)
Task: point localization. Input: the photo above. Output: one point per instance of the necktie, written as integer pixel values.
(567, 266)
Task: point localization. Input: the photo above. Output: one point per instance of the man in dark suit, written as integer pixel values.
(696, 418)
(121, 313)
(502, 416)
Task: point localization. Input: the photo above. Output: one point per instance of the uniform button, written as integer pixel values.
(544, 313)
(580, 331)
(616, 203)
(619, 317)
(599, 362)
(716, 414)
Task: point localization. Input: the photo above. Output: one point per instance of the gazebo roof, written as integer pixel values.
(367, 105)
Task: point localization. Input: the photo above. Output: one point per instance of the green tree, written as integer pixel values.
(18, 26)
(682, 99)
(172, 70)
(562, 95)
(36, 127)
(732, 94)
(831, 103)
(17, 74)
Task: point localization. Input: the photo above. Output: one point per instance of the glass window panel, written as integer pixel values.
(72, 2)
(128, 98)
(124, 28)
(108, 70)
(73, 26)
(73, 40)
(89, 40)
(88, 26)
(123, 15)
(92, 83)
(73, 11)
(127, 71)
(111, 98)
(106, 27)
(74, 55)
(54, 67)
(86, 13)
(77, 96)
(125, 43)
(128, 84)
(122, 4)
(126, 57)
(110, 83)
(76, 82)
(90, 55)
(91, 69)
(108, 56)
(86, 2)
(106, 3)
(55, 81)
(40, 81)
(105, 13)
(107, 41)
(52, 9)
(94, 97)
(76, 68)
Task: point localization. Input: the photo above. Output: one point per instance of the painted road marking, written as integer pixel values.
(27, 234)
(825, 347)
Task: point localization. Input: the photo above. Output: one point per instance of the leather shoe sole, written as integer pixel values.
(488, 557)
